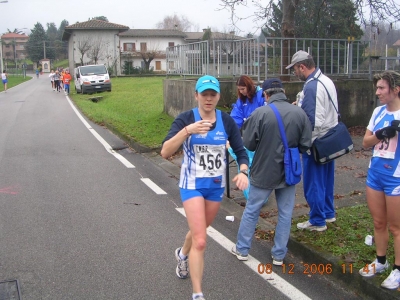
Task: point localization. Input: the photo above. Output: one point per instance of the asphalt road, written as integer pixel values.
(80, 221)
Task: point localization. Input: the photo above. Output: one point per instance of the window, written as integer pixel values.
(129, 47)
(143, 47)
(158, 65)
(171, 44)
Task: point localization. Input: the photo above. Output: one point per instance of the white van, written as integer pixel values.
(92, 79)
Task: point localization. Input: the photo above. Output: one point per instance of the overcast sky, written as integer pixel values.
(136, 14)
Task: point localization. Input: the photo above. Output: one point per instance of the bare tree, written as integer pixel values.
(175, 22)
(148, 53)
(95, 53)
(226, 40)
(83, 44)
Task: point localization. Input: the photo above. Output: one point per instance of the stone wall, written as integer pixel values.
(356, 97)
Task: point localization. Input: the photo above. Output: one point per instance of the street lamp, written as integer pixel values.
(1, 46)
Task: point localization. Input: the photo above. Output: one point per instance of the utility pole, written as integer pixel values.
(1, 56)
(44, 49)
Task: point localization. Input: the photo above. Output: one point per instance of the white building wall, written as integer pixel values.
(109, 54)
(153, 43)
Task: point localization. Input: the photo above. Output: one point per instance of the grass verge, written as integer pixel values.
(344, 238)
(15, 80)
(134, 108)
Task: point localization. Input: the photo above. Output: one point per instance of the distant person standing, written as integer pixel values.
(4, 80)
(67, 79)
(57, 81)
(37, 72)
(318, 179)
(51, 75)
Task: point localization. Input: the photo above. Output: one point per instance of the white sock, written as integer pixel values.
(181, 255)
(194, 295)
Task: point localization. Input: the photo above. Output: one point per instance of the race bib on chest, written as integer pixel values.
(210, 160)
(386, 148)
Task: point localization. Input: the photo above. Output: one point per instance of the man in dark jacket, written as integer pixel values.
(261, 134)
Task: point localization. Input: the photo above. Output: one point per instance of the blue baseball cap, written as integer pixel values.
(207, 82)
(272, 83)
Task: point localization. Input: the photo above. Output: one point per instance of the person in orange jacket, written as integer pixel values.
(66, 80)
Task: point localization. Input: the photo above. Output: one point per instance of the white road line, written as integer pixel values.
(273, 279)
(100, 139)
(156, 189)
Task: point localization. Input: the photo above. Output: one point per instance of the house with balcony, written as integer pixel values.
(146, 48)
(14, 46)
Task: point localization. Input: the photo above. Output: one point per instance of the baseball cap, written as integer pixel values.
(297, 57)
(271, 84)
(207, 82)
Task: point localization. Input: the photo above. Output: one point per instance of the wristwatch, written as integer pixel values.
(245, 172)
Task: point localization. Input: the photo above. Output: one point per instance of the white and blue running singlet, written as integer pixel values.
(386, 154)
(204, 161)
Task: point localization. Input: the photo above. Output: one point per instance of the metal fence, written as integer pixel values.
(332, 56)
(231, 58)
(236, 57)
(219, 58)
(16, 72)
(189, 59)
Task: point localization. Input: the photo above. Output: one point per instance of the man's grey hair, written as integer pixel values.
(272, 91)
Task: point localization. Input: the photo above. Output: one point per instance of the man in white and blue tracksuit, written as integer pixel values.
(318, 179)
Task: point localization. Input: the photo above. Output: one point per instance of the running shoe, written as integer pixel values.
(239, 256)
(182, 269)
(393, 280)
(308, 226)
(277, 262)
(373, 268)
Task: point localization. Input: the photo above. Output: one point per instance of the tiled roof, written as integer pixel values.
(152, 33)
(194, 35)
(225, 36)
(198, 36)
(96, 24)
(13, 35)
(397, 43)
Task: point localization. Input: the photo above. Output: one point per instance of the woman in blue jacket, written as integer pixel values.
(250, 97)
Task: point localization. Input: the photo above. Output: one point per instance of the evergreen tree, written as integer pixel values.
(52, 36)
(319, 19)
(35, 45)
(62, 47)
